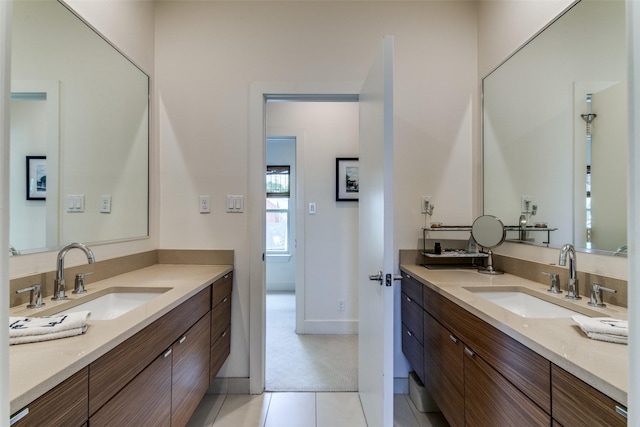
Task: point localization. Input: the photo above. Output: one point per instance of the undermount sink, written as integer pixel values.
(113, 302)
(521, 302)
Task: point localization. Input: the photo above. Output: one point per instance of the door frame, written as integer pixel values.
(257, 210)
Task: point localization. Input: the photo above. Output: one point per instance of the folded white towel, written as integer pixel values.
(31, 329)
(45, 337)
(604, 328)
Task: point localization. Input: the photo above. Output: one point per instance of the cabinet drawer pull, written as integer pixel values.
(226, 276)
(454, 339)
(469, 352)
(183, 339)
(17, 417)
(407, 276)
(224, 334)
(225, 300)
(167, 353)
(409, 333)
(409, 299)
(620, 410)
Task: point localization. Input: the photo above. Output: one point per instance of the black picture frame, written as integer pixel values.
(347, 179)
(36, 178)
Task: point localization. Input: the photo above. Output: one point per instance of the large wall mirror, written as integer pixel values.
(555, 133)
(79, 134)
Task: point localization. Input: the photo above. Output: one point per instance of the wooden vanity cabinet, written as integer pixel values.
(444, 370)
(145, 401)
(190, 371)
(576, 403)
(65, 405)
(412, 324)
(110, 373)
(220, 324)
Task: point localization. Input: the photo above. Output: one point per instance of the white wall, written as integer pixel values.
(331, 235)
(209, 53)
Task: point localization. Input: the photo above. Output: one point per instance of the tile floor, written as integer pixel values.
(302, 409)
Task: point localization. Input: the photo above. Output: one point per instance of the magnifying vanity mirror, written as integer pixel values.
(488, 232)
(79, 134)
(555, 133)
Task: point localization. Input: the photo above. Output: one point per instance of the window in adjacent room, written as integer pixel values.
(278, 196)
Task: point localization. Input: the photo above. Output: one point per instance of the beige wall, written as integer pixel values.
(209, 53)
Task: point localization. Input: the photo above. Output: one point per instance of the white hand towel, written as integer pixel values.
(44, 337)
(50, 327)
(604, 328)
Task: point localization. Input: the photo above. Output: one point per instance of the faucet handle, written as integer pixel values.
(35, 298)
(79, 283)
(595, 297)
(554, 284)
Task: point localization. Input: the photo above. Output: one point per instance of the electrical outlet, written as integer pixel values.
(526, 204)
(340, 305)
(205, 204)
(105, 203)
(425, 204)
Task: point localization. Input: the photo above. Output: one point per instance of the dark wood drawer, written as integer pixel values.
(115, 369)
(221, 289)
(190, 376)
(145, 401)
(491, 400)
(527, 370)
(220, 350)
(220, 318)
(64, 405)
(411, 314)
(414, 352)
(412, 288)
(576, 403)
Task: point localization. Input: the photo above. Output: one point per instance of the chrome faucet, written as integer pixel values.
(58, 284)
(573, 290)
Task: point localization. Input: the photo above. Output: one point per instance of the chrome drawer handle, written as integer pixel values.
(454, 339)
(226, 277)
(225, 300)
(408, 277)
(409, 333)
(621, 411)
(17, 417)
(408, 299)
(183, 339)
(469, 352)
(167, 353)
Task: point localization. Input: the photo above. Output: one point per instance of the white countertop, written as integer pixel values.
(38, 367)
(602, 365)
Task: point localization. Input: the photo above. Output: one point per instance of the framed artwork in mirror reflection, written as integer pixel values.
(347, 179)
(36, 177)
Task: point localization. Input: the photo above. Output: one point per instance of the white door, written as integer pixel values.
(376, 240)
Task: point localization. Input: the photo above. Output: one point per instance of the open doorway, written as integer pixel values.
(310, 271)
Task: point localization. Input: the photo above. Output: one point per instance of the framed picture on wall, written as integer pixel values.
(36, 177)
(347, 179)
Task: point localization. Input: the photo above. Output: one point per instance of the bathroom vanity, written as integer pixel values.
(485, 365)
(150, 366)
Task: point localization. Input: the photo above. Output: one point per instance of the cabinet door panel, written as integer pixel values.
(220, 350)
(411, 314)
(413, 350)
(65, 405)
(190, 376)
(220, 317)
(221, 289)
(527, 370)
(119, 366)
(444, 370)
(412, 288)
(491, 400)
(576, 403)
(145, 401)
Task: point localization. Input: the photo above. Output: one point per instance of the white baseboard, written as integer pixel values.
(330, 327)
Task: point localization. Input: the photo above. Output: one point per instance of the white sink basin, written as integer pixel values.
(522, 303)
(115, 303)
